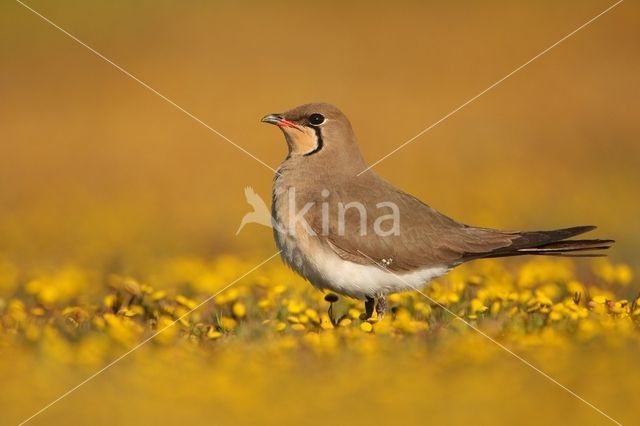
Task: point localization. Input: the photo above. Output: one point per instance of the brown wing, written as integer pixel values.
(422, 237)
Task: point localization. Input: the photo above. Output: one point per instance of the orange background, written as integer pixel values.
(96, 168)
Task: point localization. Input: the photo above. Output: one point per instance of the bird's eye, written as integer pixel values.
(316, 119)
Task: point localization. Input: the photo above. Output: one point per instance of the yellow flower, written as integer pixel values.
(312, 315)
(543, 299)
(265, 304)
(394, 298)
(367, 327)
(303, 319)
(423, 308)
(131, 286)
(475, 280)
(555, 316)
(186, 302)
(477, 306)
(453, 297)
(132, 311)
(228, 323)
(109, 300)
(495, 308)
(354, 313)
(293, 319)
(239, 310)
(296, 306)
(213, 334)
(618, 307)
(344, 322)
(158, 295)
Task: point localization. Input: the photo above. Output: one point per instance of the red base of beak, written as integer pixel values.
(285, 123)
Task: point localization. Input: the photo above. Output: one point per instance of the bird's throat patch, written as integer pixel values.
(304, 140)
(319, 141)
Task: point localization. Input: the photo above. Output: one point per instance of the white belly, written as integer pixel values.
(326, 270)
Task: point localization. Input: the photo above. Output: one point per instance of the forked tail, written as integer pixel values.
(553, 243)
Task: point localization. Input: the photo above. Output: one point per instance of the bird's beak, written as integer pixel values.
(278, 120)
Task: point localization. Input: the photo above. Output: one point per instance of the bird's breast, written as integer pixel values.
(291, 237)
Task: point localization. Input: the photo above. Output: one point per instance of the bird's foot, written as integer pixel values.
(368, 308)
(381, 306)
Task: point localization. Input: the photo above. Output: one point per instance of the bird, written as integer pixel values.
(345, 229)
(260, 214)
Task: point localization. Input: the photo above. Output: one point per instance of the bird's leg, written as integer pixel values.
(381, 306)
(368, 307)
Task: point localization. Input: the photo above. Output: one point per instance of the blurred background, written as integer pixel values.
(96, 167)
(97, 171)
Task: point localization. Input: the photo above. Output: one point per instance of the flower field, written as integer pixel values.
(267, 348)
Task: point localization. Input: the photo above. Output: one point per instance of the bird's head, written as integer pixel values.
(317, 130)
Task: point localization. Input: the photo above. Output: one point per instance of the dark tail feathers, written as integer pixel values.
(553, 243)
